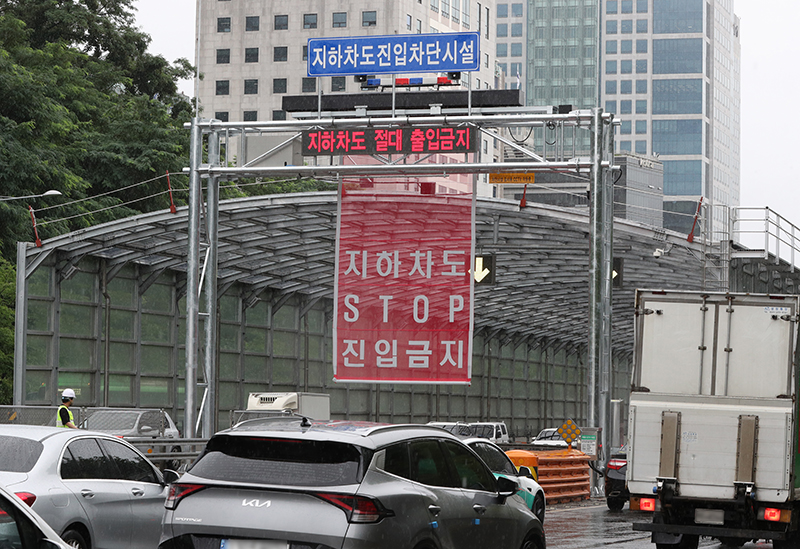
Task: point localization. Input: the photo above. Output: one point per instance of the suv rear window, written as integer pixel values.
(19, 455)
(278, 461)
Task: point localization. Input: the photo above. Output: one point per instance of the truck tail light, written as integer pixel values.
(647, 504)
(773, 514)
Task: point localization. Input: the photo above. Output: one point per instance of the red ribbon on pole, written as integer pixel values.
(35, 230)
(690, 238)
(172, 208)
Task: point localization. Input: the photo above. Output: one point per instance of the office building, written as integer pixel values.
(671, 73)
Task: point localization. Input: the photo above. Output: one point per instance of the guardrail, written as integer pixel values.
(169, 452)
(766, 232)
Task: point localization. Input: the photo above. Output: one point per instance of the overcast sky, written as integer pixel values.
(770, 90)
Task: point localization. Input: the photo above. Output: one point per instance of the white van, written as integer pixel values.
(495, 431)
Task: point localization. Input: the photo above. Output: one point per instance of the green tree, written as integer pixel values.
(7, 300)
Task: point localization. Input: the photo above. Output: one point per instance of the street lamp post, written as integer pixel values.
(47, 193)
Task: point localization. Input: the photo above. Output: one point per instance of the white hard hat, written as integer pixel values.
(68, 393)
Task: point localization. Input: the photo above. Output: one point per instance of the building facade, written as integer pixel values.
(671, 73)
(253, 54)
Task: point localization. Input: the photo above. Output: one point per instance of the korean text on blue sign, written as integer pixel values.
(394, 54)
(447, 139)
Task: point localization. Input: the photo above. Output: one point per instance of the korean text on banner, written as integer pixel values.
(404, 288)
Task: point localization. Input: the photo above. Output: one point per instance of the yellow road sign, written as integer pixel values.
(505, 178)
(569, 431)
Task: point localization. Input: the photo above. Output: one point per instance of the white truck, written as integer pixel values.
(713, 418)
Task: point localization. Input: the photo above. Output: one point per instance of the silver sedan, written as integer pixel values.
(95, 490)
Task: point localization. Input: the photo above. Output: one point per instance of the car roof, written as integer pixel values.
(41, 433)
(360, 433)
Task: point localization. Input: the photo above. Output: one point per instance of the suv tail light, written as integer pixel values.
(617, 464)
(26, 498)
(179, 491)
(359, 509)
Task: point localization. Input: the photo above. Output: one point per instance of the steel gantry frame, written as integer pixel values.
(489, 122)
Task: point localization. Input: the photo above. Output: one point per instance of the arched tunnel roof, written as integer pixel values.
(286, 244)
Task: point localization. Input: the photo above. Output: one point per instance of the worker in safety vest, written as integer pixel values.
(64, 417)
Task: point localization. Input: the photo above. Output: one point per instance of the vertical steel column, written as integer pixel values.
(21, 323)
(595, 350)
(192, 277)
(212, 233)
(607, 181)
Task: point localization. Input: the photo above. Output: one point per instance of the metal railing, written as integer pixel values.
(765, 232)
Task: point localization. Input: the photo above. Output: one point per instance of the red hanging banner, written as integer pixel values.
(404, 293)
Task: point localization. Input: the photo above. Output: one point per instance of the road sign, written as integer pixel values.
(569, 431)
(394, 54)
(507, 178)
(484, 271)
(403, 297)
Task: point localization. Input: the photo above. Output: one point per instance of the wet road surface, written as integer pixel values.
(592, 525)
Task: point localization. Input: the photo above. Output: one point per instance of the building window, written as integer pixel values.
(625, 107)
(446, 8)
(435, 6)
(625, 146)
(641, 126)
(516, 10)
(611, 87)
(625, 127)
(502, 50)
(251, 55)
(611, 106)
(678, 56)
(419, 26)
(641, 6)
(679, 96)
(281, 22)
(641, 25)
(611, 6)
(641, 46)
(309, 85)
(305, 53)
(678, 136)
(369, 18)
(626, 46)
(611, 67)
(641, 86)
(641, 147)
(223, 87)
(611, 46)
(486, 27)
(278, 85)
(502, 10)
(409, 21)
(504, 67)
(678, 17)
(223, 24)
(252, 23)
(250, 116)
(279, 115)
(251, 87)
(626, 26)
(502, 30)
(516, 49)
(611, 27)
(223, 56)
(339, 20)
(641, 106)
(310, 21)
(626, 86)
(280, 53)
(222, 116)
(626, 66)
(338, 83)
(516, 29)
(626, 6)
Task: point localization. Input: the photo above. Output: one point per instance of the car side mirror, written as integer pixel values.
(170, 476)
(525, 471)
(506, 487)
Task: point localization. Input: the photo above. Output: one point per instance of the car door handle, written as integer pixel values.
(434, 510)
(88, 494)
(478, 508)
(137, 491)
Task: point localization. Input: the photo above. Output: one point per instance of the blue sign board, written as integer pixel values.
(394, 54)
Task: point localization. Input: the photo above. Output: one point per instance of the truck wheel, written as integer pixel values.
(732, 542)
(615, 504)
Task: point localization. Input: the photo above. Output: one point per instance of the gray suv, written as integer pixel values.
(292, 484)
